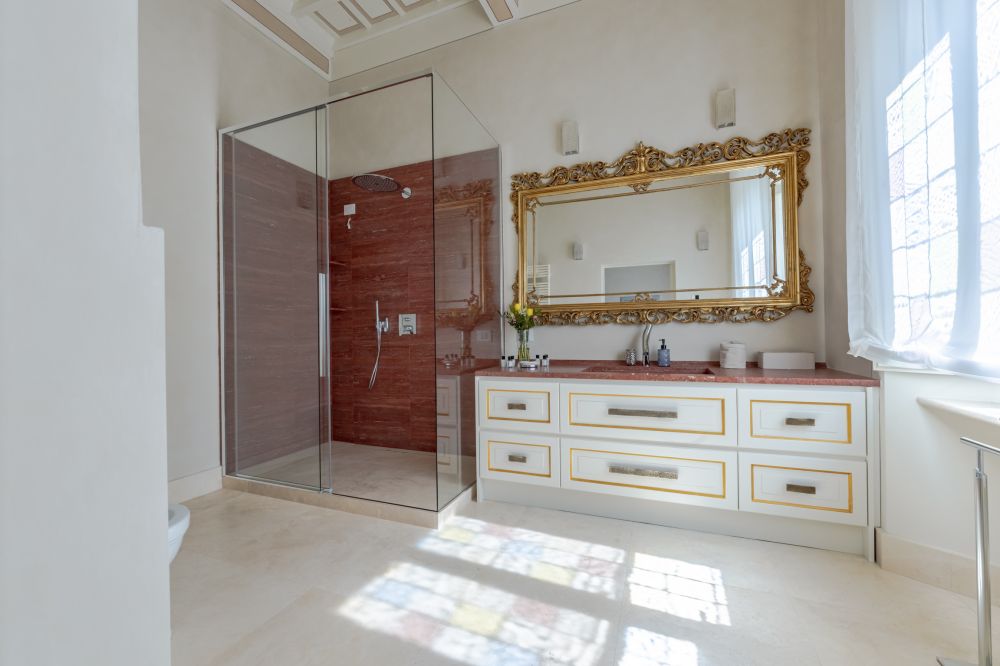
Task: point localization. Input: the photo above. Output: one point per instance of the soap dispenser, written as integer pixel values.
(663, 356)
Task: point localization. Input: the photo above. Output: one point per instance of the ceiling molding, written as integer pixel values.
(336, 38)
(286, 36)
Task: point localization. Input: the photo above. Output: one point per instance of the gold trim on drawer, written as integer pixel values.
(548, 406)
(643, 455)
(489, 458)
(850, 430)
(850, 488)
(722, 405)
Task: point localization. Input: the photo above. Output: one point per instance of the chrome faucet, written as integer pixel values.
(646, 332)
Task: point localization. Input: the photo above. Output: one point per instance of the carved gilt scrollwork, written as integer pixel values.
(658, 163)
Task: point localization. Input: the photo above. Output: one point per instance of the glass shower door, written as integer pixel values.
(275, 284)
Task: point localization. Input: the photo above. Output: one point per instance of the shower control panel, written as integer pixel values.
(407, 324)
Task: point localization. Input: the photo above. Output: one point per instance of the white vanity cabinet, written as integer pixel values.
(792, 463)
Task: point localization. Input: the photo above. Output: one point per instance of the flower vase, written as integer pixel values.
(523, 353)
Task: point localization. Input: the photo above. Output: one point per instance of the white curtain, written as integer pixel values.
(750, 203)
(923, 154)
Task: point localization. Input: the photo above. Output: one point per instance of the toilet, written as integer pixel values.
(178, 519)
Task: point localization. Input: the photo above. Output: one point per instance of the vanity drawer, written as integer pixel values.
(520, 458)
(835, 491)
(804, 421)
(701, 415)
(447, 450)
(447, 400)
(519, 405)
(648, 471)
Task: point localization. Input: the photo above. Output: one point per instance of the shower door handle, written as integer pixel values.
(324, 321)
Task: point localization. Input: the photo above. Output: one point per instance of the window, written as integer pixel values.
(924, 208)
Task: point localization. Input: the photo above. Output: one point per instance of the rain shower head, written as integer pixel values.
(375, 182)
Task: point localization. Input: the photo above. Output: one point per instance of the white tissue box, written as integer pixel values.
(788, 360)
(733, 355)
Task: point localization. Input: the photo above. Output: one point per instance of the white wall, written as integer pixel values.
(927, 477)
(83, 493)
(645, 70)
(381, 129)
(202, 67)
(393, 126)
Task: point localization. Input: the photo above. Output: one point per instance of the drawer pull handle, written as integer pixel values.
(513, 457)
(794, 421)
(652, 413)
(798, 488)
(643, 471)
(518, 406)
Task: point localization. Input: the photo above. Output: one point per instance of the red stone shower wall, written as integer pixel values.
(387, 254)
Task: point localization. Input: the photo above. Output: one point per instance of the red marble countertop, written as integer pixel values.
(467, 367)
(684, 371)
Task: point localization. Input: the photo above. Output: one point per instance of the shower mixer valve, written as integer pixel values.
(408, 324)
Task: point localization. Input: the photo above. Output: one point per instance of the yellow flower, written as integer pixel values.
(517, 307)
(531, 311)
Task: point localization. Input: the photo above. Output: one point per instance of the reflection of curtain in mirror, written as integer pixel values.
(750, 203)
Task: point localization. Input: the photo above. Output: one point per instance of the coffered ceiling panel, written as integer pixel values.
(341, 37)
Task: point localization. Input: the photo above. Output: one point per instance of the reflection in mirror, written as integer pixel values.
(702, 236)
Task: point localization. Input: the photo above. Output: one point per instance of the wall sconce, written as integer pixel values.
(701, 240)
(570, 133)
(725, 108)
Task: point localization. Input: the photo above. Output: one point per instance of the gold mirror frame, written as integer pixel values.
(643, 166)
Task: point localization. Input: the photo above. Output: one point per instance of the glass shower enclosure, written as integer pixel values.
(360, 272)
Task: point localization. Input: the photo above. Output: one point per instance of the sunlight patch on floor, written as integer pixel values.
(579, 565)
(646, 648)
(682, 589)
(474, 623)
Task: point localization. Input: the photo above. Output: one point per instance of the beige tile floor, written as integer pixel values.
(264, 581)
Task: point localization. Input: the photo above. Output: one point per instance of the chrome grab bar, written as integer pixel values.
(982, 556)
(381, 326)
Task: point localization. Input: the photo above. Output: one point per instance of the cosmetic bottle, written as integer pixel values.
(663, 355)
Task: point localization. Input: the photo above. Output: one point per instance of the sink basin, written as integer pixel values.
(652, 369)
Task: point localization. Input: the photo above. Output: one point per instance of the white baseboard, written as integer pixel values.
(194, 485)
(940, 568)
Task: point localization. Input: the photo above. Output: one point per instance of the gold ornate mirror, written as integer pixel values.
(708, 233)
